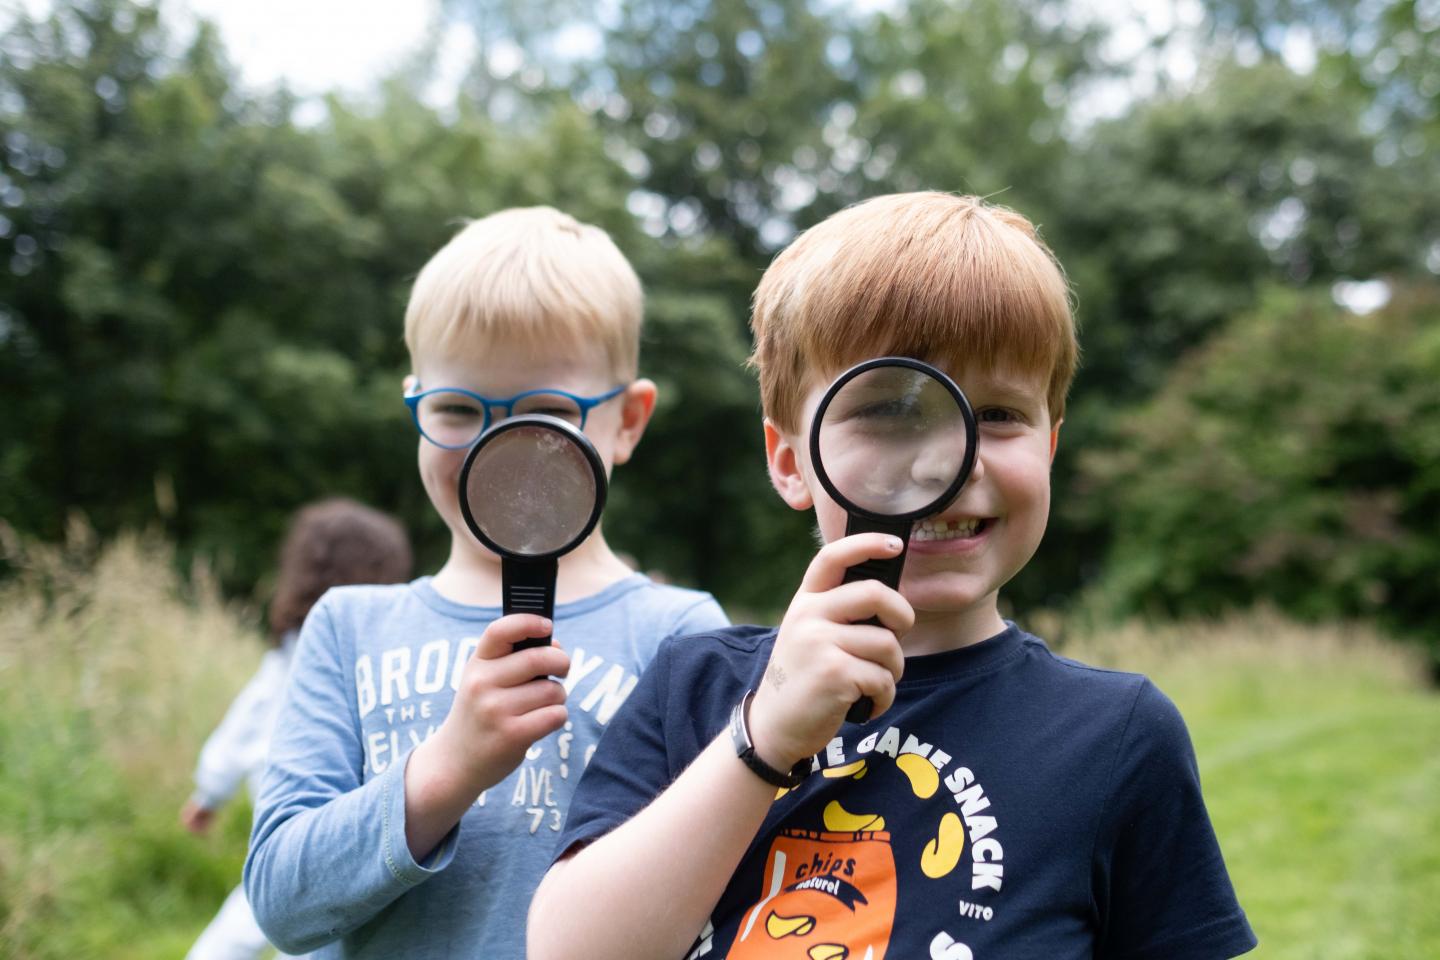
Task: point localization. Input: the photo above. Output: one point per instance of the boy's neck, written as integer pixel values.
(471, 575)
(941, 632)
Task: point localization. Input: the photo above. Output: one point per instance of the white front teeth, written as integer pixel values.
(943, 530)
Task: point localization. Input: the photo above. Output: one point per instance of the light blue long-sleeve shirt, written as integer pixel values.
(374, 674)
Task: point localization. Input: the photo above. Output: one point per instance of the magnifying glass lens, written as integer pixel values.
(892, 441)
(531, 490)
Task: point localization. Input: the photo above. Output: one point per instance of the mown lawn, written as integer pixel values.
(1319, 749)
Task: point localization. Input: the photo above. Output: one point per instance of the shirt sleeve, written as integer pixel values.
(701, 616)
(236, 747)
(1161, 888)
(630, 766)
(328, 850)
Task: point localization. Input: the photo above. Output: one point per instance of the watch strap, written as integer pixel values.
(745, 749)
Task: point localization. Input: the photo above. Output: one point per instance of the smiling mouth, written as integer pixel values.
(931, 530)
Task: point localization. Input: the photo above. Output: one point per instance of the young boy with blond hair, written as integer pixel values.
(1001, 803)
(421, 766)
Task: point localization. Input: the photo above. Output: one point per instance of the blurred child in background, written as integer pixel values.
(331, 543)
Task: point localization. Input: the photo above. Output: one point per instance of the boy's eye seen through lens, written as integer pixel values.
(896, 408)
(891, 416)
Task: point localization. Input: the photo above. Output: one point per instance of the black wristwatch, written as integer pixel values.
(745, 749)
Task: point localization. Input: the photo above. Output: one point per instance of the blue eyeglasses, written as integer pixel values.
(454, 419)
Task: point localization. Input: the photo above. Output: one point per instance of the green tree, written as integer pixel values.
(972, 97)
(1293, 459)
(1180, 213)
(723, 103)
(201, 319)
(1187, 206)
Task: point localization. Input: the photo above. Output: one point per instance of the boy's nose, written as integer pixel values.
(937, 463)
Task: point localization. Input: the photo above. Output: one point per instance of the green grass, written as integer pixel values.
(112, 672)
(1319, 752)
(1319, 749)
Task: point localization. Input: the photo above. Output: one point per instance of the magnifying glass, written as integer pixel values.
(892, 441)
(531, 490)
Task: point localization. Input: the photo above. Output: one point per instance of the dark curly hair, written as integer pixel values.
(331, 543)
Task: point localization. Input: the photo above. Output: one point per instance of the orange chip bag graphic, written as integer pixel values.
(827, 896)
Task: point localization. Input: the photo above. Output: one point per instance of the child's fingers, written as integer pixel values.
(874, 645)
(860, 600)
(877, 683)
(827, 570)
(540, 722)
(530, 696)
(522, 666)
(500, 637)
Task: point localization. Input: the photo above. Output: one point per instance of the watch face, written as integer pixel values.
(738, 733)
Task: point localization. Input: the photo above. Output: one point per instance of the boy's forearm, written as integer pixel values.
(437, 794)
(689, 840)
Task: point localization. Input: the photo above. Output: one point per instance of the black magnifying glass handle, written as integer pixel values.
(887, 571)
(528, 586)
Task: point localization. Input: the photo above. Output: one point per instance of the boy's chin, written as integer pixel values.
(942, 595)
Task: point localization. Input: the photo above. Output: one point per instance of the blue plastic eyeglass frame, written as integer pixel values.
(586, 404)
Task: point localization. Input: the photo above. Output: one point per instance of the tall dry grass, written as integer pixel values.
(1261, 640)
(113, 669)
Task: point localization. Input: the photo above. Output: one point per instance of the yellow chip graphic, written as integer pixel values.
(840, 820)
(856, 770)
(942, 853)
(924, 778)
(778, 926)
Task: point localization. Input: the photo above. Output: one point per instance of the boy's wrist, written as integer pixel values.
(769, 748)
(787, 776)
(203, 799)
(433, 777)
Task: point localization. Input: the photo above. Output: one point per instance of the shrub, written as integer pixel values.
(1295, 460)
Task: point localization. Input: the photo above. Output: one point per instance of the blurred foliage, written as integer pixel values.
(1294, 459)
(113, 668)
(1389, 50)
(1192, 203)
(200, 319)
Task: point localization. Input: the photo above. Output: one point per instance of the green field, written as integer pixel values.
(1319, 753)
(1319, 749)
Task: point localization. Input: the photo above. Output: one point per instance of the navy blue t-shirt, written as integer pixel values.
(1011, 805)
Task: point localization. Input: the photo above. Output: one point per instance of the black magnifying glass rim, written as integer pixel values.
(961, 475)
(571, 433)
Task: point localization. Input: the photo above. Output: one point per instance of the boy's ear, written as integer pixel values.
(783, 460)
(408, 384)
(1054, 440)
(636, 406)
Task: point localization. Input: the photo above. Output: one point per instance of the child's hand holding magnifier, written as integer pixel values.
(836, 644)
(893, 440)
